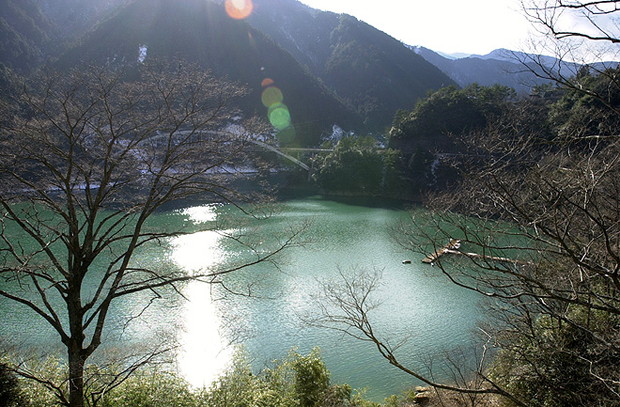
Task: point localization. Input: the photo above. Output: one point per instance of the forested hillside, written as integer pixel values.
(28, 37)
(371, 71)
(201, 32)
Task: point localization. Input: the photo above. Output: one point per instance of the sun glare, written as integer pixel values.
(239, 9)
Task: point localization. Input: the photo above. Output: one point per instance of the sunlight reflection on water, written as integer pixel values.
(198, 251)
(417, 303)
(204, 354)
(201, 214)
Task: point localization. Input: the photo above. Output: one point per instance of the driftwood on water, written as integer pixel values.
(453, 248)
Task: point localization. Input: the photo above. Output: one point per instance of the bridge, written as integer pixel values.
(282, 152)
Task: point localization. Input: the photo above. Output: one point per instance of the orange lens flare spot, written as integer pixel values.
(267, 82)
(239, 9)
(272, 96)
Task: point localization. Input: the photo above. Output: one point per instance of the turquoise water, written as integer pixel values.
(416, 302)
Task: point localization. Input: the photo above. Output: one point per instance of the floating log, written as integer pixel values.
(453, 248)
(491, 258)
(453, 244)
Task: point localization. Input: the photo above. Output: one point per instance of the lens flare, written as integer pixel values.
(272, 96)
(287, 136)
(239, 9)
(279, 116)
(277, 112)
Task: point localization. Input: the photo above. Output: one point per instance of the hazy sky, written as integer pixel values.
(469, 26)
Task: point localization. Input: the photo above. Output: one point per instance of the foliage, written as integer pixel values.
(153, 389)
(429, 131)
(580, 113)
(237, 387)
(551, 364)
(448, 111)
(9, 387)
(33, 374)
(312, 381)
(297, 381)
(358, 166)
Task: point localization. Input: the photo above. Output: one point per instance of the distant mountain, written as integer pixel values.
(331, 68)
(498, 67)
(500, 54)
(200, 31)
(456, 55)
(372, 72)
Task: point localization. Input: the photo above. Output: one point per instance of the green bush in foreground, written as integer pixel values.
(297, 381)
(9, 387)
(153, 389)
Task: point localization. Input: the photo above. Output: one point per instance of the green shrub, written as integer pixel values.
(311, 379)
(297, 381)
(9, 387)
(152, 389)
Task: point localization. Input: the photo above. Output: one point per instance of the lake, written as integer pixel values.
(417, 302)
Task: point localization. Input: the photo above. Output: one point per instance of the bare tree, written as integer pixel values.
(576, 19)
(537, 217)
(581, 36)
(86, 158)
(347, 306)
(541, 240)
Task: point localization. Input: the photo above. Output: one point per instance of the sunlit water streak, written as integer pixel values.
(204, 352)
(417, 302)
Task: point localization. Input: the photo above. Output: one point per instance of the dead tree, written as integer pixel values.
(551, 204)
(547, 196)
(86, 158)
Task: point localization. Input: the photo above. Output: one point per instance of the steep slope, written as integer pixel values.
(374, 73)
(33, 32)
(499, 67)
(73, 18)
(200, 31)
(26, 35)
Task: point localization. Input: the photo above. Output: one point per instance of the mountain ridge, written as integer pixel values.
(500, 66)
(331, 68)
(371, 71)
(202, 33)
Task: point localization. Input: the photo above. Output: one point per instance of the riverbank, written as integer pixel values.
(306, 190)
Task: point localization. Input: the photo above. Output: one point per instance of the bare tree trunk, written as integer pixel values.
(77, 355)
(76, 376)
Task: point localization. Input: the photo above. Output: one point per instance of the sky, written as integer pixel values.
(449, 26)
